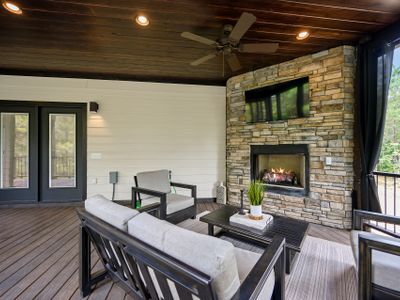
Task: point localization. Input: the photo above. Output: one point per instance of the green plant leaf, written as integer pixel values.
(255, 192)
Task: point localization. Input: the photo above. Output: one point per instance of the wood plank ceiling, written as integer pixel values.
(99, 38)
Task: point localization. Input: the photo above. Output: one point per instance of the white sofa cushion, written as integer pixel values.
(246, 260)
(385, 266)
(210, 255)
(175, 202)
(110, 212)
(149, 229)
(154, 180)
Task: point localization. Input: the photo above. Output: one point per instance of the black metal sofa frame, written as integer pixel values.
(176, 217)
(367, 289)
(127, 255)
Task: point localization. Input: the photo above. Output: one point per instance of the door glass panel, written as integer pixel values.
(14, 138)
(62, 158)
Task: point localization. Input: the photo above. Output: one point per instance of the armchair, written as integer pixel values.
(377, 256)
(154, 189)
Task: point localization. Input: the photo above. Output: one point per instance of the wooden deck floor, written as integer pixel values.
(39, 254)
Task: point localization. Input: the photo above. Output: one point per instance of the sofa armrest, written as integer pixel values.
(367, 243)
(360, 215)
(191, 187)
(272, 258)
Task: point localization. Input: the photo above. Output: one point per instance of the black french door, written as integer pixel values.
(42, 152)
(18, 154)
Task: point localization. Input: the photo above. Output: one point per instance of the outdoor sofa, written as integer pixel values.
(154, 259)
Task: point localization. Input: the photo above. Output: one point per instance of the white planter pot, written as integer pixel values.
(256, 210)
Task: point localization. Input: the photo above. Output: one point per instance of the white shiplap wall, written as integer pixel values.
(141, 126)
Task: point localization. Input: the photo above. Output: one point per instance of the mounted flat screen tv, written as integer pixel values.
(287, 100)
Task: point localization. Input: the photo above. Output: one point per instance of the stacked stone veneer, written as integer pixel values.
(328, 131)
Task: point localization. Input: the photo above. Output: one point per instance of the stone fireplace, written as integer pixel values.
(284, 169)
(306, 163)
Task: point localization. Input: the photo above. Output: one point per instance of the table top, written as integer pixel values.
(292, 230)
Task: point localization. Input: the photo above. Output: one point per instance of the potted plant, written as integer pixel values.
(256, 196)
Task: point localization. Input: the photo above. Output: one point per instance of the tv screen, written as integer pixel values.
(281, 101)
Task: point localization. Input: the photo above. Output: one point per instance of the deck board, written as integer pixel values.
(27, 224)
(39, 254)
(30, 241)
(26, 274)
(23, 255)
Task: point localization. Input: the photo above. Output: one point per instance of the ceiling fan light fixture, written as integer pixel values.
(302, 35)
(142, 20)
(12, 8)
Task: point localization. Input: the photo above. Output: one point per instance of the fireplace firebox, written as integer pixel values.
(284, 169)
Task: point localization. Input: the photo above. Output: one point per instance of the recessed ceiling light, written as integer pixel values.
(302, 35)
(13, 8)
(142, 20)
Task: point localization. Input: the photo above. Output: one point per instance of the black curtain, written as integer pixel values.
(374, 72)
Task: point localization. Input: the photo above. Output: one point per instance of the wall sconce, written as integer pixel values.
(93, 107)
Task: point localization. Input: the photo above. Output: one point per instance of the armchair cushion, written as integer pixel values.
(385, 266)
(175, 202)
(246, 260)
(110, 212)
(150, 200)
(213, 256)
(154, 180)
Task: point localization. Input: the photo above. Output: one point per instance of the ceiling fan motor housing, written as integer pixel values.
(224, 38)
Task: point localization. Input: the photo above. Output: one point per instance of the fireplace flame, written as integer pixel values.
(280, 171)
(279, 176)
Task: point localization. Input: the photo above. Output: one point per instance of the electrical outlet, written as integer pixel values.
(93, 181)
(328, 161)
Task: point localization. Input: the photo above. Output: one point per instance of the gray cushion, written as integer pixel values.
(110, 212)
(149, 201)
(385, 266)
(210, 255)
(149, 229)
(246, 260)
(175, 202)
(154, 180)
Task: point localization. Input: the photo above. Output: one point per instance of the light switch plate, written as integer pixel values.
(328, 161)
(95, 155)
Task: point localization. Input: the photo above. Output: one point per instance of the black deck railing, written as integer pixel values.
(389, 194)
(20, 165)
(63, 166)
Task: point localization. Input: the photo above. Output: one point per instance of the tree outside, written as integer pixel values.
(389, 160)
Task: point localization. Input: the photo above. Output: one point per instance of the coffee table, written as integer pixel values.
(294, 231)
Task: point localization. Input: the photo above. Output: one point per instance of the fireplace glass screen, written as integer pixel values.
(282, 170)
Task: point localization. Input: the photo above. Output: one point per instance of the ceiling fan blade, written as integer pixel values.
(203, 59)
(234, 62)
(259, 48)
(244, 23)
(198, 38)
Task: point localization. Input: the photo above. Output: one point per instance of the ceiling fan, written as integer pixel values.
(229, 42)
